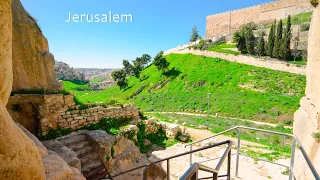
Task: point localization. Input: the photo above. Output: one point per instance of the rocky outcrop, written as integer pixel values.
(307, 118)
(33, 64)
(65, 72)
(19, 157)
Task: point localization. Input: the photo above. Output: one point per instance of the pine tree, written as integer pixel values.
(239, 38)
(250, 40)
(285, 45)
(194, 34)
(278, 41)
(261, 47)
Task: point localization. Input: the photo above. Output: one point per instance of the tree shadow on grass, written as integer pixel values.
(129, 87)
(172, 72)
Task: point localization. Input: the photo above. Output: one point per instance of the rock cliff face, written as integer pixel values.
(65, 72)
(33, 64)
(307, 118)
(19, 157)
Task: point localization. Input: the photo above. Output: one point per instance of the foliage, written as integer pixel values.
(53, 134)
(160, 62)
(316, 136)
(194, 34)
(109, 125)
(250, 40)
(120, 77)
(222, 48)
(240, 38)
(237, 90)
(286, 41)
(158, 138)
(288, 122)
(278, 41)
(261, 47)
(305, 26)
(314, 3)
(271, 39)
(127, 66)
(38, 91)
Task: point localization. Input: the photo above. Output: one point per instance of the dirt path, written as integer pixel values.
(205, 115)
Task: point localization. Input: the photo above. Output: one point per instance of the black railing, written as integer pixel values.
(226, 153)
(193, 171)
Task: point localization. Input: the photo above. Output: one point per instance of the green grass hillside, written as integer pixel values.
(236, 90)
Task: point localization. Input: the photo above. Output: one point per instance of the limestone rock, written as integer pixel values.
(33, 64)
(172, 130)
(66, 154)
(65, 72)
(154, 172)
(19, 157)
(57, 169)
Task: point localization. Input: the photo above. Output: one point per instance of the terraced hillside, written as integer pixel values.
(200, 84)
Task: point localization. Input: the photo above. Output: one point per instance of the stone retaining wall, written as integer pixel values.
(40, 113)
(78, 118)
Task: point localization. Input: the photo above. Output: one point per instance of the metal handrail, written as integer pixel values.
(295, 142)
(192, 172)
(229, 142)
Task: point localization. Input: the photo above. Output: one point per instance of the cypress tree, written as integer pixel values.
(250, 40)
(278, 41)
(271, 39)
(285, 45)
(261, 47)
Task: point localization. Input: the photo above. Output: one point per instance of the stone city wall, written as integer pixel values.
(40, 113)
(227, 22)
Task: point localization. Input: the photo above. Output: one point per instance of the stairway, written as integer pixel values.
(92, 166)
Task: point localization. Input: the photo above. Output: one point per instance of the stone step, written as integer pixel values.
(89, 157)
(79, 145)
(91, 165)
(69, 140)
(84, 151)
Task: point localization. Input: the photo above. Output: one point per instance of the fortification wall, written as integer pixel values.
(227, 22)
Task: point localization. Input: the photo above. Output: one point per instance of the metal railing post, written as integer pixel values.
(229, 165)
(293, 152)
(168, 169)
(238, 153)
(190, 155)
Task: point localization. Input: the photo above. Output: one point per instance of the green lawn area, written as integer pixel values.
(236, 90)
(222, 48)
(297, 19)
(98, 79)
(279, 145)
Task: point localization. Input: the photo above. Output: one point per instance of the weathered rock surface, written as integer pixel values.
(19, 157)
(33, 64)
(65, 72)
(307, 118)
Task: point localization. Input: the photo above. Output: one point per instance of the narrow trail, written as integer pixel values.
(206, 115)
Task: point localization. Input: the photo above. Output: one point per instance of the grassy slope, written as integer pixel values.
(264, 95)
(222, 48)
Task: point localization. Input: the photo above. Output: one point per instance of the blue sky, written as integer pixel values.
(157, 25)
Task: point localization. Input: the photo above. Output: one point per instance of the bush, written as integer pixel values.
(288, 122)
(305, 27)
(316, 136)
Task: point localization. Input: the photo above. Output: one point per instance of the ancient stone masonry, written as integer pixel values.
(78, 118)
(40, 113)
(227, 22)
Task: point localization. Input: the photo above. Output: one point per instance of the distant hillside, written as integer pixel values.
(236, 90)
(91, 73)
(67, 73)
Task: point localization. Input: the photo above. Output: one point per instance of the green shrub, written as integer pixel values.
(53, 134)
(316, 136)
(288, 122)
(305, 26)
(314, 3)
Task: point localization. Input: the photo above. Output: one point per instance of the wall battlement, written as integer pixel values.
(227, 22)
